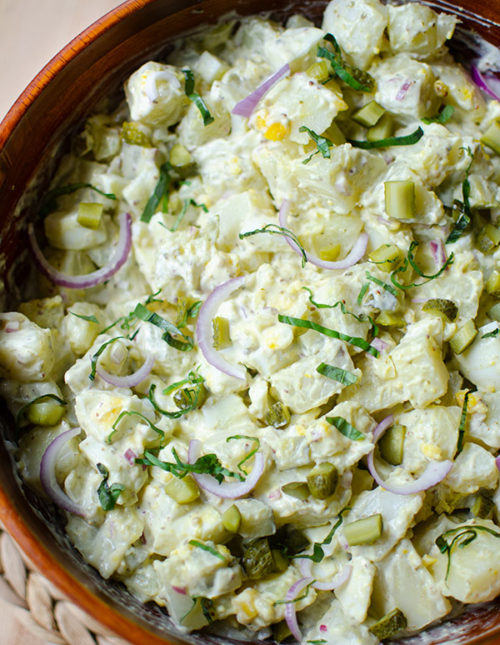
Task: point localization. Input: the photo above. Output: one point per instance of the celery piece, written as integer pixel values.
(387, 257)
(491, 137)
(44, 413)
(89, 214)
(492, 285)
(382, 130)
(463, 337)
(390, 319)
(364, 531)
(231, 519)
(180, 156)
(447, 310)
(369, 114)
(322, 480)
(183, 491)
(222, 337)
(400, 199)
(392, 444)
(389, 625)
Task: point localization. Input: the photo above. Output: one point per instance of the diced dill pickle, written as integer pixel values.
(281, 631)
(491, 137)
(278, 415)
(488, 238)
(134, 134)
(483, 505)
(494, 312)
(492, 285)
(185, 398)
(389, 625)
(364, 531)
(392, 444)
(45, 413)
(335, 135)
(231, 519)
(180, 156)
(280, 561)
(257, 559)
(463, 337)
(222, 337)
(89, 214)
(330, 253)
(183, 491)
(400, 199)
(319, 71)
(387, 257)
(369, 114)
(382, 130)
(322, 480)
(447, 310)
(290, 539)
(300, 490)
(390, 319)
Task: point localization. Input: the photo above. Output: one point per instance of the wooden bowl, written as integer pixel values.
(32, 138)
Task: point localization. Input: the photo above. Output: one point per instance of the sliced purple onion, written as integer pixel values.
(131, 380)
(290, 612)
(117, 259)
(355, 254)
(486, 84)
(379, 344)
(12, 326)
(497, 462)
(180, 590)
(204, 332)
(48, 473)
(130, 456)
(305, 566)
(227, 490)
(435, 472)
(438, 252)
(246, 106)
(403, 90)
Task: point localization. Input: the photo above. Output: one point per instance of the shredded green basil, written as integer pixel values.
(337, 374)
(322, 143)
(491, 334)
(345, 428)
(207, 608)
(320, 641)
(461, 427)
(410, 261)
(318, 553)
(406, 140)
(251, 453)
(309, 324)
(188, 313)
(129, 413)
(294, 600)
(49, 200)
(108, 495)
(169, 329)
(274, 229)
(193, 395)
(130, 319)
(92, 318)
(180, 216)
(196, 98)
(464, 220)
(95, 357)
(442, 117)
(362, 293)
(207, 548)
(463, 535)
(22, 409)
(160, 194)
(206, 464)
(352, 76)
(381, 283)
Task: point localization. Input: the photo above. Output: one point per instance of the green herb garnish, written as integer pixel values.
(207, 548)
(195, 97)
(274, 229)
(318, 553)
(362, 293)
(37, 399)
(129, 413)
(92, 318)
(387, 287)
(345, 428)
(49, 200)
(461, 427)
(352, 76)
(169, 329)
(160, 194)
(294, 600)
(442, 117)
(187, 313)
(337, 374)
(251, 453)
(192, 400)
(322, 143)
(491, 334)
(108, 494)
(406, 140)
(180, 216)
(461, 539)
(309, 324)
(464, 220)
(206, 464)
(95, 357)
(410, 261)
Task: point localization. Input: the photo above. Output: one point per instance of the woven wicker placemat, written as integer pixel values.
(39, 607)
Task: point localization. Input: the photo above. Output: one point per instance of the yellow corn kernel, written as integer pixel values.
(276, 132)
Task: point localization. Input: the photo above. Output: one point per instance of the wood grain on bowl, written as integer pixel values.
(92, 67)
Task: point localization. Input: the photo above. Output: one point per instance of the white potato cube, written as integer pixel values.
(474, 468)
(417, 29)
(27, 351)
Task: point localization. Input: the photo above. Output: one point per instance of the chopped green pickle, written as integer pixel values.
(491, 137)
(392, 444)
(280, 561)
(45, 413)
(180, 156)
(493, 284)
(222, 337)
(89, 214)
(400, 199)
(300, 490)
(389, 625)
(184, 398)
(281, 631)
(364, 531)
(330, 253)
(447, 310)
(483, 505)
(134, 134)
(390, 319)
(278, 415)
(290, 539)
(322, 480)
(369, 114)
(387, 257)
(383, 129)
(334, 134)
(231, 519)
(488, 238)
(257, 559)
(463, 337)
(494, 312)
(183, 491)
(319, 71)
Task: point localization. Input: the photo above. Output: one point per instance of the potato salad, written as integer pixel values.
(260, 375)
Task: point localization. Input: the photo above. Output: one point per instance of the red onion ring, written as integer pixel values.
(204, 328)
(305, 566)
(435, 472)
(130, 456)
(131, 380)
(227, 490)
(48, 473)
(482, 83)
(118, 259)
(246, 106)
(290, 612)
(379, 344)
(438, 252)
(497, 462)
(403, 90)
(355, 254)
